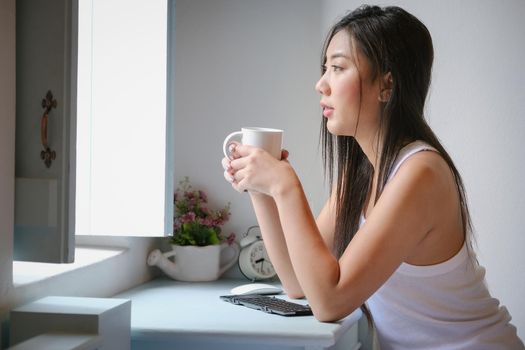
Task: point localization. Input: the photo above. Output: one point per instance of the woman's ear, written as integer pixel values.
(387, 83)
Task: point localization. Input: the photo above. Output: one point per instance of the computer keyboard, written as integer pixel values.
(268, 304)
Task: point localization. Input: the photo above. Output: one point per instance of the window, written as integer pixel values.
(123, 133)
(121, 117)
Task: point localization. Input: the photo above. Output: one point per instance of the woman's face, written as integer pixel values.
(348, 94)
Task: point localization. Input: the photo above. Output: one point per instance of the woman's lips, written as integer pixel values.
(327, 111)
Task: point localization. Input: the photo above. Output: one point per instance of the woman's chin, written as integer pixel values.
(337, 130)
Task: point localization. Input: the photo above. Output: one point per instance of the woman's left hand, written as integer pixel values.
(255, 170)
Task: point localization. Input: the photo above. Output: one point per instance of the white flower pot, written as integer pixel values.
(196, 264)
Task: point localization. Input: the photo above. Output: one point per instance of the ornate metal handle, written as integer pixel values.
(47, 155)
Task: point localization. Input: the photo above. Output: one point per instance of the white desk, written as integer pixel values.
(166, 314)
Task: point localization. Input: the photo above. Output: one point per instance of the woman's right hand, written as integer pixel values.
(229, 172)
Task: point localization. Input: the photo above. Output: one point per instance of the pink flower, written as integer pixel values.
(208, 222)
(188, 217)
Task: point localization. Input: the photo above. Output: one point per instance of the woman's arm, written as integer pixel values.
(274, 241)
(401, 219)
(273, 237)
(272, 232)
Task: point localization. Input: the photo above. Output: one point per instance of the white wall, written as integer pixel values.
(246, 63)
(476, 108)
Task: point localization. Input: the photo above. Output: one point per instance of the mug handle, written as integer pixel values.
(228, 141)
(229, 263)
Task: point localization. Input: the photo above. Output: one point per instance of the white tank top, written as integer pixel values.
(444, 306)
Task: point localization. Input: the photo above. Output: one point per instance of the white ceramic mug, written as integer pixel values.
(269, 139)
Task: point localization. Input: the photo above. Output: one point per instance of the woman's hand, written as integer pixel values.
(255, 170)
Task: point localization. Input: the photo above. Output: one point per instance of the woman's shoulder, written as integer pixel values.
(418, 205)
(427, 178)
(418, 156)
(422, 174)
(424, 167)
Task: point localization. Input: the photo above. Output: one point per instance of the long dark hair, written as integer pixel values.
(393, 41)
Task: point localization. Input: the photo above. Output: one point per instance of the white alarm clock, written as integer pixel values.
(254, 262)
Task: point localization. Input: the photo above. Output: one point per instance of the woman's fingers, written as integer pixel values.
(225, 163)
(228, 170)
(229, 177)
(232, 148)
(239, 186)
(240, 150)
(239, 180)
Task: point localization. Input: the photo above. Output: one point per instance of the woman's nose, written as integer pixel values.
(322, 86)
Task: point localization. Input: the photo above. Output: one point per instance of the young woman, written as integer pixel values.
(394, 232)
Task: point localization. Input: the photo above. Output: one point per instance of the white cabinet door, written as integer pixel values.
(46, 46)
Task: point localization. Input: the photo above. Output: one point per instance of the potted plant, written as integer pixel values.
(194, 223)
(197, 241)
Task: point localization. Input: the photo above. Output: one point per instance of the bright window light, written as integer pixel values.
(25, 272)
(121, 117)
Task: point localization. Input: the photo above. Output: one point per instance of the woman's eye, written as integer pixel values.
(333, 68)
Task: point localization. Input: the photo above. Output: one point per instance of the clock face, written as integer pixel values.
(260, 261)
(255, 263)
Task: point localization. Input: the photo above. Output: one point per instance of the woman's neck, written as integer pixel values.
(372, 147)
